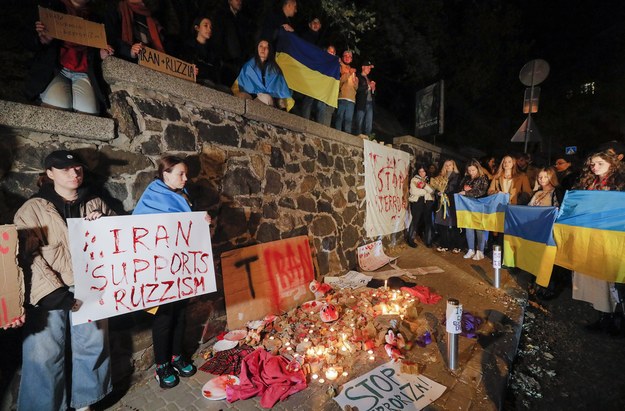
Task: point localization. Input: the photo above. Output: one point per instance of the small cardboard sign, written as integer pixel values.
(387, 388)
(129, 263)
(371, 256)
(12, 289)
(73, 29)
(269, 278)
(167, 64)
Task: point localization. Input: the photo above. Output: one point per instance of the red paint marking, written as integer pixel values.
(101, 254)
(101, 302)
(86, 233)
(93, 239)
(5, 313)
(4, 250)
(85, 247)
(5, 236)
(91, 255)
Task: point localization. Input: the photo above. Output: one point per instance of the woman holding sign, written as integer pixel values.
(130, 26)
(45, 259)
(64, 74)
(167, 194)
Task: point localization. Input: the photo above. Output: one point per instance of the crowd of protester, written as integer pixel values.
(431, 204)
(232, 53)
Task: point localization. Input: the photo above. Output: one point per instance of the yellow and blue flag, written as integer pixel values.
(590, 234)
(308, 69)
(528, 241)
(486, 213)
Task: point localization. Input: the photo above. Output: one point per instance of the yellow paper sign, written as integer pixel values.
(73, 29)
(167, 64)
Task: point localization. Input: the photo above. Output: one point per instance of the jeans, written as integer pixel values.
(310, 105)
(72, 91)
(482, 236)
(43, 384)
(364, 119)
(344, 116)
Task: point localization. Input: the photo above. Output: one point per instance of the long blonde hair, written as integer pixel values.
(444, 168)
(501, 172)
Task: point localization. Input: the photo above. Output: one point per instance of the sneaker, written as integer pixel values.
(166, 376)
(183, 368)
(469, 254)
(478, 255)
(456, 251)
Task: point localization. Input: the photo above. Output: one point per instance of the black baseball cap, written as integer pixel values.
(61, 159)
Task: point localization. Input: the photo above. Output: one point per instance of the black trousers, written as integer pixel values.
(421, 212)
(168, 330)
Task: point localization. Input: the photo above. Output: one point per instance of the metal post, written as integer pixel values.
(454, 327)
(496, 263)
(529, 114)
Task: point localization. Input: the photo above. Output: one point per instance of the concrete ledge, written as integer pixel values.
(117, 71)
(328, 133)
(48, 120)
(413, 141)
(255, 110)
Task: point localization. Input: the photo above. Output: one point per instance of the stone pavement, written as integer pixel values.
(479, 382)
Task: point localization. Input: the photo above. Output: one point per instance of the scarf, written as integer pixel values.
(127, 10)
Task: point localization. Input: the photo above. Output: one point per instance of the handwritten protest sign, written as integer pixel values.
(129, 263)
(11, 280)
(73, 29)
(387, 388)
(386, 177)
(268, 278)
(371, 256)
(167, 64)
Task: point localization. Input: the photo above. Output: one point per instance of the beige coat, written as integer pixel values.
(44, 246)
(520, 184)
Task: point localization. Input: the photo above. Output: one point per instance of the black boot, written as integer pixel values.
(604, 322)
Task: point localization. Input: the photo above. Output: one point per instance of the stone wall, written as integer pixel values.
(261, 173)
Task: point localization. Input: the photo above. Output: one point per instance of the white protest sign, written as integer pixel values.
(371, 256)
(353, 279)
(387, 388)
(386, 188)
(129, 263)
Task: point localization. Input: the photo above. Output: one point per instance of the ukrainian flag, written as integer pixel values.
(528, 241)
(485, 213)
(590, 234)
(308, 69)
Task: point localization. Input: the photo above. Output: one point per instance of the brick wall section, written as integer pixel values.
(262, 174)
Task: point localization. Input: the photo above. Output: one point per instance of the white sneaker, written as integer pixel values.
(478, 255)
(469, 254)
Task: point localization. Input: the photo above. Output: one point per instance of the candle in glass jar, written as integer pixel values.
(332, 374)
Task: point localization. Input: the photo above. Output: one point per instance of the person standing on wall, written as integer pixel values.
(365, 98)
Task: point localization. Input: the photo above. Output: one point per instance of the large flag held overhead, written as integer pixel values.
(485, 213)
(590, 234)
(308, 69)
(528, 242)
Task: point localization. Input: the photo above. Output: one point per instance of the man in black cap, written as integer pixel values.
(364, 100)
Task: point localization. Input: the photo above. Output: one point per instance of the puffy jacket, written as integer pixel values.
(44, 246)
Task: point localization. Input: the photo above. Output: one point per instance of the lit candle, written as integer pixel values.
(314, 376)
(386, 284)
(370, 352)
(331, 329)
(344, 374)
(321, 380)
(271, 338)
(371, 358)
(332, 374)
